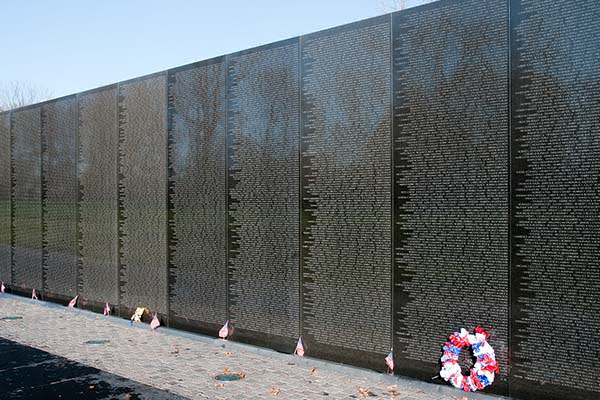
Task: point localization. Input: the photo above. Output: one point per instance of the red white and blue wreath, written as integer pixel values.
(483, 372)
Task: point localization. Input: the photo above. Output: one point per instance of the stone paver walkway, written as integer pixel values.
(33, 374)
(185, 364)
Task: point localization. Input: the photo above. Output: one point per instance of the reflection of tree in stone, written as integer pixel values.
(98, 190)
(197, 193)
(59, 125)
(264, 122)
(143, 167)
(556, 142)
(270, 119)
(26, 198)
(346, 190)
(200, 117)
(59, 195)
(5, 252)
(451, 153)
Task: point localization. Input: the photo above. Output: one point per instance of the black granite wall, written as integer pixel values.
(555, 187)
(197, 196)
(26, 198)
(346, 191)
(451, 147)
(5, 212)
(98, 195)
(375, 185)
(59, 196)
(263, 106)
(142, 199)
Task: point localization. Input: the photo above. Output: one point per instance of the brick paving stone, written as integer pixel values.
(185, 363)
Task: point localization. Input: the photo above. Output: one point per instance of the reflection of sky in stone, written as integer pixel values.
(453, 63)
(82, 167)
(263, 132)
(453, 55)
(183, 144)
(558, 107)
(96, 134)
(350, 108)
(565, 64)
(269, 122)
(200, 103)
(346, 143)
(26, 153)
(60, 129)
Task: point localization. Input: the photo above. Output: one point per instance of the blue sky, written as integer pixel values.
(68, 46)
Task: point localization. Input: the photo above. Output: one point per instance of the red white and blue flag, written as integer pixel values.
(389, 361)
(299, 347)
(225, 331)
(33, 295)
(73, 302)
(106, 310)
(155, 323)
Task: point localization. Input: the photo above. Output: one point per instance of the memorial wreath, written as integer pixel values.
(483, 372)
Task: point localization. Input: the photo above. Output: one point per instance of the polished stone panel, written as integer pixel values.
(197, 195)
(98, 191)
(142, 193)
(26, 160)
(59, 196)
(263, 113)
(346, 192)
(5, 228)
(451, 144)
(555, 288)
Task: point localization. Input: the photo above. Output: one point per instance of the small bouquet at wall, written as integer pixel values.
(137, 315)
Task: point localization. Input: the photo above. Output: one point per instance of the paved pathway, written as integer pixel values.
(31, 374)
(185, 364)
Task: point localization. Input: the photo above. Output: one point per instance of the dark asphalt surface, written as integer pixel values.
(29, 373)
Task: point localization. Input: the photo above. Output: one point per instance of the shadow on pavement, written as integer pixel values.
(32, 374)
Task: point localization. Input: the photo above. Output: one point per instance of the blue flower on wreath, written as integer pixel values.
(484, 380)
(452, 349)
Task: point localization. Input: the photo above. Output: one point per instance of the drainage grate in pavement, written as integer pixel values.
(10, 318)
(97, 341)
(228, 377)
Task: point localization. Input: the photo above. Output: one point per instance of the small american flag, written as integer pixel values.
(224, 331)
(2, 287)
(389, 360)
(33, 295)
(155, 323)
(299, 347)
(73, 302)
(106, 310)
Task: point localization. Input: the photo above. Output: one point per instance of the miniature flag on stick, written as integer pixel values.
(33, 295)
(73, 302)
(389, 360)
(2, 287)
(226, 331)
(299, 347)
(155, 323)
(106, 310)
